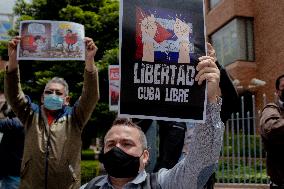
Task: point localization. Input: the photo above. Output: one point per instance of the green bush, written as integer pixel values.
(254, 148)
(248, 172)
(89, 170)
(88, 154)
(242, 159)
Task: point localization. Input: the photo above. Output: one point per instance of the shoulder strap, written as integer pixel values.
(93, 182)
(151, 181)
(154, 181)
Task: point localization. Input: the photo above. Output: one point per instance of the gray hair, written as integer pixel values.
(60, 81)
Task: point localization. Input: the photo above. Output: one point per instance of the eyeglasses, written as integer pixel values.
(58, 93)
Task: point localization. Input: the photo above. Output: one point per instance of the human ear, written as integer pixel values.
(42, 99)
(67, 100)
(146, 156)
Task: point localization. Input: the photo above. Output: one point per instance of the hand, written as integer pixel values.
(12, 53)
(91, 50)
(182, 30)
(208, 70)
(211, 51)
(149, 26)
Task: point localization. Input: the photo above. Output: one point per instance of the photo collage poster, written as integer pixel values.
(51, 40)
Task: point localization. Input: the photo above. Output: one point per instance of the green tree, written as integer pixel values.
(3, 50)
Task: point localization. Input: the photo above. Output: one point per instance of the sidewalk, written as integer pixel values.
(241, 186)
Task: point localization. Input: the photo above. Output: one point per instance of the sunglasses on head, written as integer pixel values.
(53, 92)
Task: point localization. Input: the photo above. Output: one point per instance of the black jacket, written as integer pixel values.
(230, 98)
(11, 146)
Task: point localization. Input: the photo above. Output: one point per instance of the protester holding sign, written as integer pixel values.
(52, 150)
(126, 154)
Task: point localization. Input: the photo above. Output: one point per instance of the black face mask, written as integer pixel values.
(119, 164)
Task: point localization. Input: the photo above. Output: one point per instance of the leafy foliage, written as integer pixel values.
(89, 170)
(3, 50)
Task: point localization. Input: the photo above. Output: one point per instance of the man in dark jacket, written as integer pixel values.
(171, 135)
(11, 147)
(272, 132)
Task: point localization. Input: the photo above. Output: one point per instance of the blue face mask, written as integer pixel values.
(53, 102)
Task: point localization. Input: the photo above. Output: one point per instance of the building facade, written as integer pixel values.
(249, 42)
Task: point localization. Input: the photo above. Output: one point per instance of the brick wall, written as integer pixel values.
(225, 11)
(268, 41)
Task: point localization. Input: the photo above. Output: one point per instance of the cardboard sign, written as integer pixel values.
(160, 43)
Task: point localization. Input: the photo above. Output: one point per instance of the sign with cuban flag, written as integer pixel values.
(160, 43)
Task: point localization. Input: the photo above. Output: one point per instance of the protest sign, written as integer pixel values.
(113, 75)
(51, 40)
(160, 43)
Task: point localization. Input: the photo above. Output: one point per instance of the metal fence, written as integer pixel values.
(242, 158)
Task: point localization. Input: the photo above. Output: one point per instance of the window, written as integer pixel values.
(213, 3)
(234, 41)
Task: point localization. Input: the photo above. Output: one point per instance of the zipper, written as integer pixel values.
(46, 161)
(73, 173)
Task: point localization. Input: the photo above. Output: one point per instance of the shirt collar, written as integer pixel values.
(104, 181)
(141, 177)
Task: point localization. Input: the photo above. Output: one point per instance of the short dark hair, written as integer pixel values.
(277, 83)
(119, 121)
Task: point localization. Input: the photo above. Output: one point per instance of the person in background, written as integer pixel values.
(171, 138)
(11, 146)
(52, 151)
(272, 134)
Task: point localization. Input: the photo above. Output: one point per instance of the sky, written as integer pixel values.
(6, 6)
